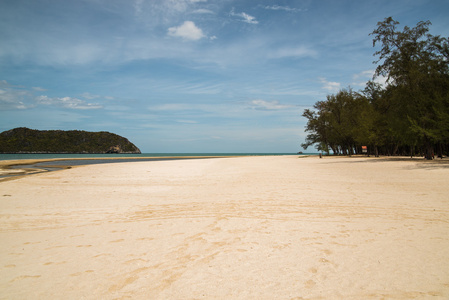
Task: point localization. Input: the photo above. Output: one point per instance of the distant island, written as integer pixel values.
(25, 140)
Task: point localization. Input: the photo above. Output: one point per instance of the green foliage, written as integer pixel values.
(24, 140)
(340, 123)
(412, 111)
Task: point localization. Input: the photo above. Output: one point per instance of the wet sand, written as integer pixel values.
(13, 169)
(241, 228)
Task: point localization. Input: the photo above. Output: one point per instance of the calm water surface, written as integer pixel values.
(143, 155)
(87, 159)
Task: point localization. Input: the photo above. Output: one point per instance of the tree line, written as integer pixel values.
(409, 115)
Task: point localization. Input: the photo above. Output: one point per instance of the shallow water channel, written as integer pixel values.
(18, 169)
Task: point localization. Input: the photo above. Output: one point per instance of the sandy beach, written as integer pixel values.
(274, 227)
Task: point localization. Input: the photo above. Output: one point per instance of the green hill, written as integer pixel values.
(25, 140)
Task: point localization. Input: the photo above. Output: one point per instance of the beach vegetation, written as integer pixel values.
(408, 115)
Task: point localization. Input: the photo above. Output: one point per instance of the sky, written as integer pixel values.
(179, 76)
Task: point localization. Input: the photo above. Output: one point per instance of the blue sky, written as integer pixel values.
(189, 75)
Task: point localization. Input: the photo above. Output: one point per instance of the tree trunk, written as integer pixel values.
(429, 150)
(395, 150)
(440, 150)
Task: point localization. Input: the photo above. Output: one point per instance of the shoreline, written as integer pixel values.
(248, 227)
(8, 172)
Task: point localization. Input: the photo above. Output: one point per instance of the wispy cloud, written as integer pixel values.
(244, 17)
(361, 78)
(11, 100)
(66, 102)
(300, 51)
(188, 31)
(285, 8)
(203, 11)
(12, 97)
(39, 89)
(364, 74)
(90, 96)
(169, 107)
(268, 105)
(331, 86)
(153, 13)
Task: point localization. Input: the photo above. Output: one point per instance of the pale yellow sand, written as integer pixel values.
(242, 228)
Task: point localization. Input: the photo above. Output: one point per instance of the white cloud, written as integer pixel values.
(12, 97)
(187, 31)
(382, 80)
(90, 96)
(249, 19)
(169, 107)
(331, 86)
(20, 97)
(300, 51)
(66, 102)
(268, 105)
(285, 8)
(246, 18)
(39, 89)
(203, 11)
(364, 74)
(11, 100)
(174, 5)
(362, 78)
